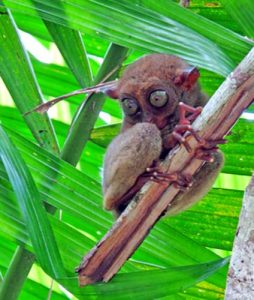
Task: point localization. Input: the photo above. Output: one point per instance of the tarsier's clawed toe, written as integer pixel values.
(212, 144)
(184, 181)
(204, 154)
(157, 175)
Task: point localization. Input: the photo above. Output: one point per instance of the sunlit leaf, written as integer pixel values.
(148, 284)
(150, 27)
(32, 208)
(242, 13)
(18, 75)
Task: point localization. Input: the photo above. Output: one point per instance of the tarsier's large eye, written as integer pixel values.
(158, 98)
(130, 106)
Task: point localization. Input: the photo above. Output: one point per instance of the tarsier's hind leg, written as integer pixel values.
(202, 183)
(123, 202)
(126, 159)
(156, 175)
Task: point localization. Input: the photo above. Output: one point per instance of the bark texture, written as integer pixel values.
(240, 281)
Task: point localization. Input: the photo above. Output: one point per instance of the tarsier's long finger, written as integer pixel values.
(183, 109)
(179, 138)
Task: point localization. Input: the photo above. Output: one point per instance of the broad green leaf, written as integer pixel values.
(103, 135)
(32, 208)
(18, 75)
(150, 284)
(242, 13)
(17, 273)
(33, 290)
(214, 11)
(35, 26)
(176, 278)
(147, 26)
(213, 221)
(65, 235)
(227, 40)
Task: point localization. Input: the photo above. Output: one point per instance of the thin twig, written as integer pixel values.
(42, 108)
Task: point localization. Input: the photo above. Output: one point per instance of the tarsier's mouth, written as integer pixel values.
(161, 124)
(167, 123)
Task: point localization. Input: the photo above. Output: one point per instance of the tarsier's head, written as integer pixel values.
(151, 88)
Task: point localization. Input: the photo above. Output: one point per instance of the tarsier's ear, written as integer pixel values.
(111, 90)
(108, 88)
(187, 77)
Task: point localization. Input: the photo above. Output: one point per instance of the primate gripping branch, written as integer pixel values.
(131, 228)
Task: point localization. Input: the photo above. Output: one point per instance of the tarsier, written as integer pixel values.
(155, 93)
(150, 92)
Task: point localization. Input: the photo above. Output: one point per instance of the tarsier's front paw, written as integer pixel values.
(184, 124)
(206, 147)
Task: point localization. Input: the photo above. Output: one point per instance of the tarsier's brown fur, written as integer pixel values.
(147, 136)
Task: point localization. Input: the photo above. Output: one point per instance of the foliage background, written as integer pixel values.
(215, 36)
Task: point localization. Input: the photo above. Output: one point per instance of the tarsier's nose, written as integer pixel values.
(159, 122)
(149, 118)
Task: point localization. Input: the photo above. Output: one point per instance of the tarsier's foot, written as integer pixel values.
(183, 182)
(207, 148)
(184, 124)
(179, 180)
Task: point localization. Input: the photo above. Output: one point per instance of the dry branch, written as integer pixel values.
(217, 118)
(240, 281)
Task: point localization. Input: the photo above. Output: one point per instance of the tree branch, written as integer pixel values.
(217, 118)
(240, 281)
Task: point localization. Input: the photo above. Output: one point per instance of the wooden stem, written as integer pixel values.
(241, 273)
(131, 228)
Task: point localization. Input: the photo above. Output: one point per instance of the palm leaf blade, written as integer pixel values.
(31, 206)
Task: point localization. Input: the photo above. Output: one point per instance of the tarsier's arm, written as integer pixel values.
(203, 180)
